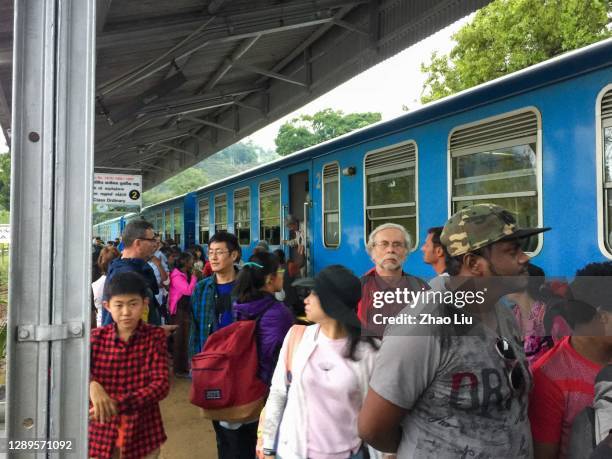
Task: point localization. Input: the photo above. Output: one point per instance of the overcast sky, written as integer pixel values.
(384, 88)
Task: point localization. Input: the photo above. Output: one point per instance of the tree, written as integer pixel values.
(308, 130)
(5, 180)
(509, 35)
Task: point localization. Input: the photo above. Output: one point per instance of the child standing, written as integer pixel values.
(128, 376)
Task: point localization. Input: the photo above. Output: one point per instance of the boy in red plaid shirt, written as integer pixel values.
(129, 376)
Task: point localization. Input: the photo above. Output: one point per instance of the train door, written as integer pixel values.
(299, 207)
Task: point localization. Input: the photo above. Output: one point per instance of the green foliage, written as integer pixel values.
(5, 217)
(308, 130)
(229, 161)
(5, 180)
(509, 35)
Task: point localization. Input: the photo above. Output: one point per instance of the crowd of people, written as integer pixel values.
(382, 365)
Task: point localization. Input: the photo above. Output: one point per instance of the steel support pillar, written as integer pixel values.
(50, 262)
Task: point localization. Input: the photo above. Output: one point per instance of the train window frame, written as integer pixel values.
(501, 144)
(388, 148)
(175, 211)
(168, 218)
(240, 199)
(203, 203)
(603, 229)
(222, 201)
(324, 211)
(280, 208)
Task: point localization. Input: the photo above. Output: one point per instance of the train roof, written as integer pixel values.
(164, 202)
(567, 65)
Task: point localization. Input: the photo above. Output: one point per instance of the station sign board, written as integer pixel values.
(5, 234)
(117, 190)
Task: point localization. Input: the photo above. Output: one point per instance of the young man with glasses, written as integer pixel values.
(458, 390)
(211, 305)
(140, 244)
(388, 246)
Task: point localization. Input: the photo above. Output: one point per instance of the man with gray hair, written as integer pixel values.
(140, 244)
(388, 246)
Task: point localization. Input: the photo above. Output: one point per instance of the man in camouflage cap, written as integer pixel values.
(447, 390)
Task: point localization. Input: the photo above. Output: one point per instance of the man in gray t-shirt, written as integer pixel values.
(453, 383)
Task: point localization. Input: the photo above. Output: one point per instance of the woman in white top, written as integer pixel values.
(312, 411)
(107, 254)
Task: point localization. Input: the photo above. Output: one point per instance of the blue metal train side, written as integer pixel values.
(562, 93)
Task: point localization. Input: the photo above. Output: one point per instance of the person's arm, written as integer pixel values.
(379, 423)
(277, 400)
(163, 274)
(405, 367)
(546, 406)
(158, 386)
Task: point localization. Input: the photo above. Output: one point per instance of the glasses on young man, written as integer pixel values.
(150, 239)
(217, 253)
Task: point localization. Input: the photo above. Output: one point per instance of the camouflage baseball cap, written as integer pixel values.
(479, 225)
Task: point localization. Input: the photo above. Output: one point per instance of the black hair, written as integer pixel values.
(182, 260)
(231, 241)
(536, 282)
(354, 338)
(251, 279)
(135, 230)
(126, 283)
(281, 256)
(436, 232)
(202, 256)
(583, 308)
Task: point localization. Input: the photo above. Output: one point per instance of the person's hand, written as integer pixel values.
(156, 261)
(169, 329)
(301, 249)
(104, 407)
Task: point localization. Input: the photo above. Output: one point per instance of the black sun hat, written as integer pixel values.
(339, 291)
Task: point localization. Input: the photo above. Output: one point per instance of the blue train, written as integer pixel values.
(538, 142)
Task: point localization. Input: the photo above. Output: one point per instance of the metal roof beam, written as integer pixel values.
(102, 7)
(351, 27)
(171, 28)
(208, 123)
(223, 38)
(269, 74)
(227, 65)
(179, 150)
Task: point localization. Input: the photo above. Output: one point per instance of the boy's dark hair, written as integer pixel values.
(231, 242)
(126, 283)
(280, 254)
(135, 230)
(435, 232)
(252, 278)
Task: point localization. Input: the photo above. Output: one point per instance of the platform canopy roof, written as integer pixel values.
(177, 81)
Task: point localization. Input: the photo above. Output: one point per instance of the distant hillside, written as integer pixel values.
(232, 160)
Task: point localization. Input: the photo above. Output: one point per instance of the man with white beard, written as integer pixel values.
(388, 247)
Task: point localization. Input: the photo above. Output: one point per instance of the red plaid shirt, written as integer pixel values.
(136, 375)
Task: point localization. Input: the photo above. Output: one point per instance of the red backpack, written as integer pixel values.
(224, 375)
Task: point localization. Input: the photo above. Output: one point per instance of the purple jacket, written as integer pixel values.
(271, 330)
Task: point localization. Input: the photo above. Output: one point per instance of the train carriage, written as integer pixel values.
(173, 219)
(538, 142)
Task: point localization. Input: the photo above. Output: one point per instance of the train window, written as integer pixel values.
(390, 191)
(204, 217)
(242, 216)
(168, 225)
(497, 161)
(220, 213)
(178, 225)
(270, 212)
(159, 222)
(606, 136)
(331, 205)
